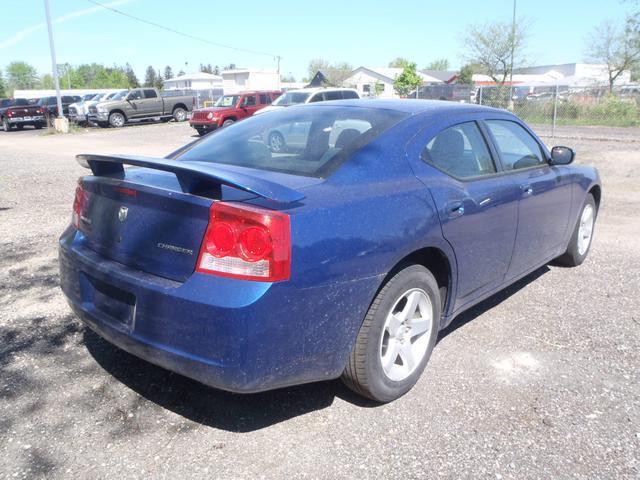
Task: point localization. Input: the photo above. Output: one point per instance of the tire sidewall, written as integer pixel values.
(573, 246)
(228, 122)
(114, 115)
(414, 276)
(179, 112)
(273, 135)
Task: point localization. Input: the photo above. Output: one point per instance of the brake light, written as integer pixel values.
(9, 113)
(246, 242)
(78, 204)
(40, 110)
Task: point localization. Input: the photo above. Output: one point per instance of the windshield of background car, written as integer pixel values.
(227, 101)
(291, 98)
(310, 141)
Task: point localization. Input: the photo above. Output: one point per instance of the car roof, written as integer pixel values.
(411, 106)
(319, 89)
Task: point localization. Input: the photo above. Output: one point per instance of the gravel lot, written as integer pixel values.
(540, 381)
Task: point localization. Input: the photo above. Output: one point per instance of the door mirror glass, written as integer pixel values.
(562, 155)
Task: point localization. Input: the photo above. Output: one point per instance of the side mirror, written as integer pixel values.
(562, 156)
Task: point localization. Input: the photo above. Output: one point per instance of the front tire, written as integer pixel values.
(116, 120)
(397, 336)
(179, 114)
(228, 122)
(580, 242)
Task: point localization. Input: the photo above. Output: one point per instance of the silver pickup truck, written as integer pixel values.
(138, 105)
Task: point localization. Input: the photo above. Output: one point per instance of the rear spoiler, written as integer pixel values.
(193, 177)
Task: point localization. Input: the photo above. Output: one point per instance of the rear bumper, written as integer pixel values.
(26, 121)
(229, 334)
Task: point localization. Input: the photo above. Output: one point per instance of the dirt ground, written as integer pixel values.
(539, 381)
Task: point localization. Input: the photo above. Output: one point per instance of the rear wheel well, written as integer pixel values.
(179, 105)
(596, 192)
(434, 260)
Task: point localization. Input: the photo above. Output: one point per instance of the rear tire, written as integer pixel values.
(19, 127)
(37, 126)
(116, 120)
(6, 126)
(582, 235)
(179, 114)
(397, 336)
(276, 142)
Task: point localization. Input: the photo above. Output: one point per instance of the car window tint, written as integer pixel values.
(249, 101)
(316, 98)
(518, 149)
(336, 95)
(150, 94)
(21, 102)
(301, 141)
(135, 95)
(68, 99)
(460, 151)
(265, 99)
(349, 94)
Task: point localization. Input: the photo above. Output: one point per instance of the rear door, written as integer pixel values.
(477, 206)
(545, 194)
(152, 104)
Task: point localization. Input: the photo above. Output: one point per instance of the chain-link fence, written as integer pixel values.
(202, 98)
(551, 105)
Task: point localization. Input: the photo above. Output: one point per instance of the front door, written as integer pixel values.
(249, 105)
(477, 206)
(543, 209)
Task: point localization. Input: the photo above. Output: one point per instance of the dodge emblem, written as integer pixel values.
(122, 213)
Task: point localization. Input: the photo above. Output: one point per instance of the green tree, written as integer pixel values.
(465, 76)
(616, 47)
(216, 70)
(3, 87)
(438, 64)
(168, 73)
(132, 79)
(231, 66)
(490, 45)
(46, 82)
(21, 75)
(206, 68)
(407, 81)
(150, 77)
(399, 62)
(336, 73)
(159, 81)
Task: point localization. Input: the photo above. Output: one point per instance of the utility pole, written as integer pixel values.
(59, 122)
(513, 47)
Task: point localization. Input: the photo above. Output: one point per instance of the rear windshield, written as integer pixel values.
(311, 141)
(291, 98)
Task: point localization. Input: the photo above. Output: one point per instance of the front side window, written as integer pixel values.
(518, 149)
(460, 151)
(318, 97)
(135, 95)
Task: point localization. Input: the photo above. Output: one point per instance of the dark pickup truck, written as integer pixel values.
(231, 108)
(138, 105)
(18, 113)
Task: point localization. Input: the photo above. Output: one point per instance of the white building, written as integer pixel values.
(194, 81)
(572, 74)
(365, 79)
(239, 80)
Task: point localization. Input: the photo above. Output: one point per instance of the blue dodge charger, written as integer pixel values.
(340, 253)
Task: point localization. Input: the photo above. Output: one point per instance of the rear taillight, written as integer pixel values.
(40, 110)
(78, 204)
(9, 113)
(246, 242)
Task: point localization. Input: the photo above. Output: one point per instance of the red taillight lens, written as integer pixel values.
(9, 113)
(246, 242)
(78, 204)
(40, 110)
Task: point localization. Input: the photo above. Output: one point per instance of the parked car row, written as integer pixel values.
(232, 108)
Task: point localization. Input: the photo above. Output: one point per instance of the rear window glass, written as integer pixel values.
(301, 141)
(291, 98)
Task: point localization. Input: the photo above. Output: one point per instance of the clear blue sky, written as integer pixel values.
(358, 32)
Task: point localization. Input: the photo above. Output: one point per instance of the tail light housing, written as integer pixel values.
(78, 204)
(246, 242)
(9, 113)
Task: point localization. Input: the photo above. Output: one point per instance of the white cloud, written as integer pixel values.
(25, 32)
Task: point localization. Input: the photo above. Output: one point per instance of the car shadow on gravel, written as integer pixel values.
(208, 406)
(494, 300)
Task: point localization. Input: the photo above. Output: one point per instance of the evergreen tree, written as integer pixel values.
(131, 76)
(159, 81)
(150, 77)
(168, 73)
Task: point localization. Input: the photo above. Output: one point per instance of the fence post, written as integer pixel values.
(555, 113)
(480, 103)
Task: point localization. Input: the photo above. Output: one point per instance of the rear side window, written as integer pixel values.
(518, 149)
(68, 100)
(265, 99)
(318, 97)
(249, 101)
(333, 95)
(309, 141)
(349, 94)
(150, 94)
(460, 151)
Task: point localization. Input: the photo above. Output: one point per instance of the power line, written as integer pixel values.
(187, 35)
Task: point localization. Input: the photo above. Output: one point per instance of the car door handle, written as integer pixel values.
(527, 190)
(455, 209)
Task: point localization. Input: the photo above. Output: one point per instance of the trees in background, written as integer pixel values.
(168, 73)
(438, 64)
(3, 87)
(491, 45)
(336, 73)
(150, 77)
(132, 79)
(407, 81)
(399, 62)
(616, 46)
(21, 75)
